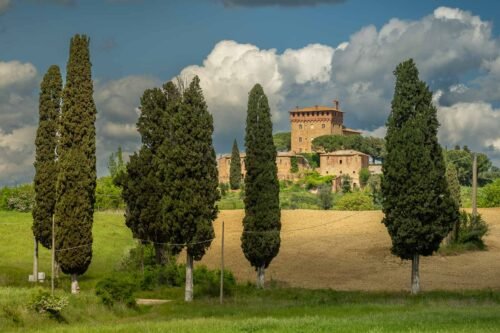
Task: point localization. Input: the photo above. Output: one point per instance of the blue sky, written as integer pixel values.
(303, 52)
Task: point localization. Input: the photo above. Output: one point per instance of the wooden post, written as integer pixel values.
(53, 252)
(474, 187)
(222, 266)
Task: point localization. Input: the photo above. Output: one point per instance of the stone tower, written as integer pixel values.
(310, 122)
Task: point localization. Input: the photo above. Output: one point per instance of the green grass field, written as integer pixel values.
(247, 310)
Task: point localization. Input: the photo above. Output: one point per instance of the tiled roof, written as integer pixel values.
(349, 152)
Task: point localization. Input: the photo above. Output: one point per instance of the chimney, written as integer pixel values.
(336, 103)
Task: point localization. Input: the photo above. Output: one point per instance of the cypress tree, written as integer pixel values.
(77, 165)
(190, 174)
(45, 160)
(142, 185)
(260, 240)
(235, 168)
(419, 211)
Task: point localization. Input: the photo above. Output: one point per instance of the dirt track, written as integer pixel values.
(351, 251)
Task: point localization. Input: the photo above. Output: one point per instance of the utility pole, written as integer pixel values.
(53, 257)
(474, 187)
(222, 266)
(35, 260)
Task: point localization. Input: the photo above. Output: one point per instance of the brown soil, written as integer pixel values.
(351, 251)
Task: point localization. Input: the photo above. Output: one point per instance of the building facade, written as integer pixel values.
(284, 161)
(310, 122)
(343, 162)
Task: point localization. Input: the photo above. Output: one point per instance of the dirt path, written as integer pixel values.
(351, 251)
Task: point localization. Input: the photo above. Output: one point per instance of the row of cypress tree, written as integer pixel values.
(65, 163)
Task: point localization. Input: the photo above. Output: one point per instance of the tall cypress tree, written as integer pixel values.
(260, 240)
(235, 168)
(45, 159)
(143, 186)
(419, 211)
(77, 165)
(190, 174)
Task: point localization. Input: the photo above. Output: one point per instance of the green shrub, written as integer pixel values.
(223, 188)
(355, 201)
(346, 184)
(43, 302)
(108, 195)
(313, 180)
(111, 290)
(490, 195)
(170, 275)
(294, 167)
(325, 196)
(20, 198)
(471, 230)
(207, 282)
(364, 176)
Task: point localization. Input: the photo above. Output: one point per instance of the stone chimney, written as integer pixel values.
(336, 103)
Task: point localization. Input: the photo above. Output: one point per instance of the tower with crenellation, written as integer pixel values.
(310, 122)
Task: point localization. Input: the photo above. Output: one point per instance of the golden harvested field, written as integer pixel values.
(351, 251)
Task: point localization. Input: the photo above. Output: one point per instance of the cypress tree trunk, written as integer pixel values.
(415, 274)
(261, 276)
(75, 288)
(35, 260)
(188, 294)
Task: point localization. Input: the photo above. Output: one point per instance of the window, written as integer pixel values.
(300, 139)
(300, 126)
(322, 125)
(340, 162)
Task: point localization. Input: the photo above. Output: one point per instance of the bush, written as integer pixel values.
(108, 195)
(490, 196)
(346, 184)
(20, 198)
(355, 201)
(111, 290)
(313, 180)
(471, 230)
(43, 302)
(223, 188)
(207, 282)
(364, 176)
(170, 275)
(325, 196)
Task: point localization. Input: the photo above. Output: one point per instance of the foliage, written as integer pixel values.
(472, 229)
(490, 196)
(43, 302)
(260, 240)
(294, 167)
(346, 185)
(45, 157)
(374, 186)
(419, 211)
(207, 282)
(20, 198)
(374, 147)
(325, 196)
(312, 159)
(108, 195)
(359, 200)
(171, 275)
(462, 159)
(116, 165)
(189, 201)
(235, 167)
(283, 141)
(76, 182)
(223, 188)
(111, 290)
(313, 180)
(364, 176)
(453, 183)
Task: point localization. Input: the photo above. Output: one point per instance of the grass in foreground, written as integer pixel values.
(272, 310)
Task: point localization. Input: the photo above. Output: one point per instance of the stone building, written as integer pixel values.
(283, 163)
(310, 122)
(343, 162)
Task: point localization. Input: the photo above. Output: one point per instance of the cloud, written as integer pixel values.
(17, 153)
(15, 73)
(4, 6)
(284, 3)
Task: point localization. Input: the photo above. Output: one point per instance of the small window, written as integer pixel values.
(300, 126)
(322, 125)
(354, 172)
(340, 171)
(340, 162)
(300, 139)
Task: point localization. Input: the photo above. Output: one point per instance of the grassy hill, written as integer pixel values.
(344, 251)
